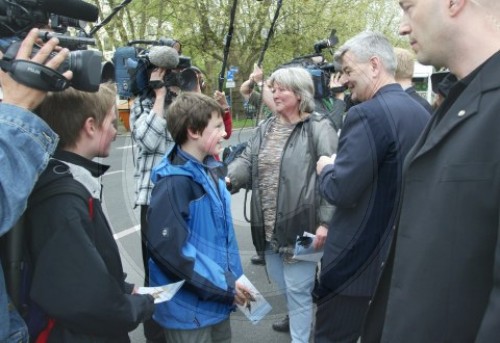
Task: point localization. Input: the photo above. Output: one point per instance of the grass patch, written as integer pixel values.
(240, 123)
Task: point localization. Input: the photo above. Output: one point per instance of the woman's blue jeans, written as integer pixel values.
(296, 281)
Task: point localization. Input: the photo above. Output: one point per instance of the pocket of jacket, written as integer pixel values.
(467, 172)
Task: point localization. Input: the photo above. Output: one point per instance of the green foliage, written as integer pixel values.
(201, 28)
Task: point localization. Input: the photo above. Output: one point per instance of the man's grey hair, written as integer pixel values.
(366, 45)
(299, 81)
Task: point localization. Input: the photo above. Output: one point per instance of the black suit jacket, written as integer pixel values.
(442, 280)
(411, 91)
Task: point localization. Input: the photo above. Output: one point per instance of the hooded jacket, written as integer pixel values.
(78, 278)
(191, 237)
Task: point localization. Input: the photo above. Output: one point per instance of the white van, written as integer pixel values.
(422, 80)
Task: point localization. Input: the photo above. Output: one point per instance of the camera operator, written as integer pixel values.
(149, 131)
(26, 143)
(339, 101)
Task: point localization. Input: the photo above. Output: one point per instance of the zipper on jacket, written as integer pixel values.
(281, 165)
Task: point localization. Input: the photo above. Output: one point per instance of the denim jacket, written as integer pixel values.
(26, 143)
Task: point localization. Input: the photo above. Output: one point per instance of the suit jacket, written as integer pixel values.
(411, 91)
(442, 280)
(364, 185)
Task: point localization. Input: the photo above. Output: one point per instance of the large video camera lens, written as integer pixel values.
(85, 65)
(86, 68)
(186, 80)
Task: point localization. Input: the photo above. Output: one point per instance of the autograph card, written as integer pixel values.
(162, 293)
(257, 306)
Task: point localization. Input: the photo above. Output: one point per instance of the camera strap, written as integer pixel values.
(35, 75)
(338, 89)
(156, 84)
(32, 74)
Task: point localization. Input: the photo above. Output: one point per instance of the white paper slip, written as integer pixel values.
(162, 293)
(258, 307)
(304, 248)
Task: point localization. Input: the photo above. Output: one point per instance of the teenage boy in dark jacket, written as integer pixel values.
(78, 279)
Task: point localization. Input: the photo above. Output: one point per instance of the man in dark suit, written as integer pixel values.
(441, 282)
(404, 76)
(363, 182)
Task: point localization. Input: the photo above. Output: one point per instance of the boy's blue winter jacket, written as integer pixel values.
(191, 237)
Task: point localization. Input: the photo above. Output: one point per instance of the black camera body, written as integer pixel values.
(320, 72)
(317, 66)
(320, 76)
(133, 66)
(85, 64)
(17, 17)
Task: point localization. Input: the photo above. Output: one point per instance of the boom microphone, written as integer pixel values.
(164, 57)
(76, 9)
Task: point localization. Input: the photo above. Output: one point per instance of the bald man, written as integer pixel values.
(441, 281)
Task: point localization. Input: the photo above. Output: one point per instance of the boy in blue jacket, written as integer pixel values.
(191, 235)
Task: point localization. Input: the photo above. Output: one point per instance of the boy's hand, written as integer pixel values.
(243, 295)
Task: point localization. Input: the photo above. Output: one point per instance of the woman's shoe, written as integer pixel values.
(282, 325)
(258, 259)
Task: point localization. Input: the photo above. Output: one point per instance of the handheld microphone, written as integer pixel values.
(76, 9)
(164, 57)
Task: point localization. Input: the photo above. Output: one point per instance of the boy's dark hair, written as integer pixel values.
(190, 111)
(66, 111)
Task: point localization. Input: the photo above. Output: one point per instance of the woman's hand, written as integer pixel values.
(321, 233)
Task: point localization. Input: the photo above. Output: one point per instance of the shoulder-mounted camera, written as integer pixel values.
(18, 17)
(317, 65)
(133, 66)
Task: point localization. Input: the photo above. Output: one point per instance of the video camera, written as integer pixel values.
(317, 65)
(133, 66)
(17, 17)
